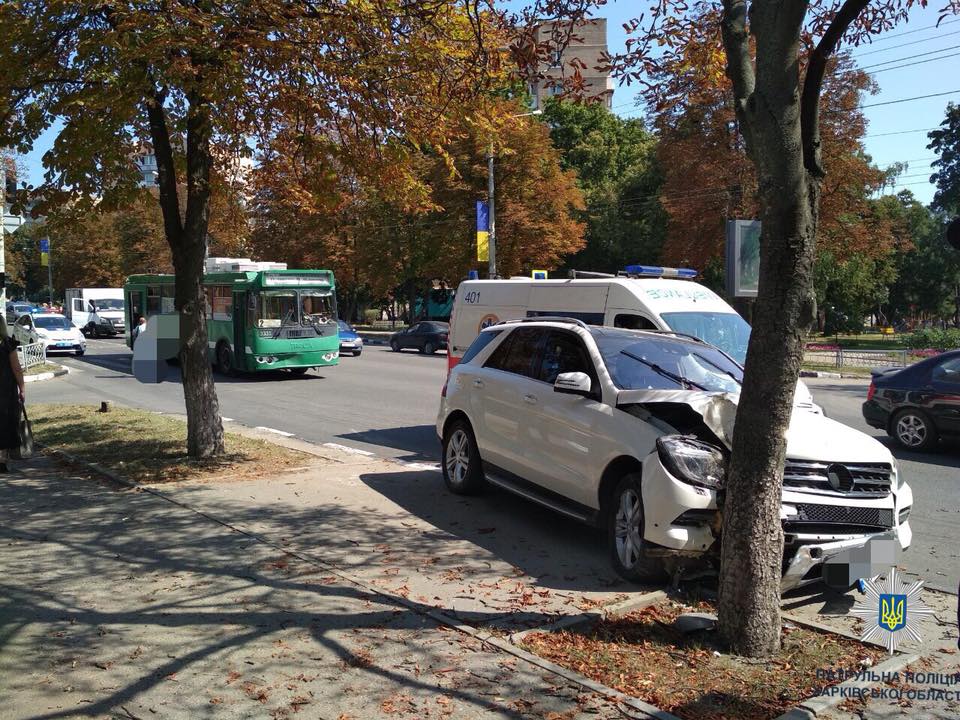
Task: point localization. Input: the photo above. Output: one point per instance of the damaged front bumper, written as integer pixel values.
(808, 560)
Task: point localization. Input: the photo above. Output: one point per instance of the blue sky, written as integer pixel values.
(892, 133)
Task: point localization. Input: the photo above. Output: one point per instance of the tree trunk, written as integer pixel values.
(204, 425)
(768, 108)
(188, 244)
(752, 541)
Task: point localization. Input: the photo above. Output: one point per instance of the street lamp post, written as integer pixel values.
(492, 243)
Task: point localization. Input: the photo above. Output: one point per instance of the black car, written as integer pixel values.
(917, 405)
(427, 337)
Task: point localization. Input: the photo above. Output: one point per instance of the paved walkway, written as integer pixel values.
(124, 603)
(117, 603)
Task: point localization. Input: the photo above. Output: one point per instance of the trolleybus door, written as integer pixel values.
(240, 340)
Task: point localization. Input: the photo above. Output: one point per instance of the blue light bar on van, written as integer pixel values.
(657, 271)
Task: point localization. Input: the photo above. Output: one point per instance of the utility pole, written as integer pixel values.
(492, 273)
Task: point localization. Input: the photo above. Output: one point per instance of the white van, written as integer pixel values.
(642, 298)
(96, 311)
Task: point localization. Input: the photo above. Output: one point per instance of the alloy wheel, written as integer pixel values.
(628, 521)
(911, 430)
(458, 456)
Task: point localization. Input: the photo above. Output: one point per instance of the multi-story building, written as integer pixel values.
(587, 47)
(235, 168)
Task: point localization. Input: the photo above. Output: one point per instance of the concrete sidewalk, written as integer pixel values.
(330, 589)
(118, 603)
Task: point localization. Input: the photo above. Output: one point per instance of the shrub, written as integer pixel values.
(941, 340)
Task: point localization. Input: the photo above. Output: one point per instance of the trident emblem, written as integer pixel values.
(893, 612)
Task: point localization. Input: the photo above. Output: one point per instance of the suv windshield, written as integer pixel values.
(52, 323)
(728, 331)
(636, 362)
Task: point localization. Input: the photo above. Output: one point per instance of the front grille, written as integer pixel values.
(868, 479)
(841, 515)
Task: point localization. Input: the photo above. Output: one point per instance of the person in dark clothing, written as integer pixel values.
(11, 394)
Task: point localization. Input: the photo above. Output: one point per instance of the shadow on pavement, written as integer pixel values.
(418, 440)
(556, 551)
(115, 598)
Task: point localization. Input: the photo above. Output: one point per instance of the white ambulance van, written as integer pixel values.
(643, 297)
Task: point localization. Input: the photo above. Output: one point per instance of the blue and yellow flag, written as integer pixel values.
(483, 231)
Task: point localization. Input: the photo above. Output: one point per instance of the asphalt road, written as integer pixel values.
(386, 403)
(381, 402)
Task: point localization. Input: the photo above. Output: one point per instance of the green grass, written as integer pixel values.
(864, 341)
(150, 448)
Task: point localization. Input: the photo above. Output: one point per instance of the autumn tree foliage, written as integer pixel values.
(708, 177)
(188, 77)
(777, 54)
(379, 228)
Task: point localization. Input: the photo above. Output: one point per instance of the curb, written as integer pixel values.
(820, 374)
(813, 707)
(64, 370)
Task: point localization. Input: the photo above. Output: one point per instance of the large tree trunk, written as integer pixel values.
(769, 110)
(188, 245)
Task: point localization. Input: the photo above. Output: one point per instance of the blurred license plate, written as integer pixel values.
(64, 344)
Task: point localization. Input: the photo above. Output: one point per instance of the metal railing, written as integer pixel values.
(840, 358)
(32, 354)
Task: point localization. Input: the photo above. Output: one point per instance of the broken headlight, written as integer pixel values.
(692, 461)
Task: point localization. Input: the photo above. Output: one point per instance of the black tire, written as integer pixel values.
(395, 346)
(79, 353)
(87, 330)
(459, 446)
(429, 348)
(299, 371)
(912, 429)
(224, 364)
(625, 543)
(356, 353)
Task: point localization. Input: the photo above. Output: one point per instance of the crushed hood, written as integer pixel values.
(809, 437)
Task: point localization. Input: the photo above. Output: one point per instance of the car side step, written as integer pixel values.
(528, 491)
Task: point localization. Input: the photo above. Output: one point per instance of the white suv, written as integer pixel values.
(630, 430)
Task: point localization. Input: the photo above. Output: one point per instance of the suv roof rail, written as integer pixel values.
(548, 318)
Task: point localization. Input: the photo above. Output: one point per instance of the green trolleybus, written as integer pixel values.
(260, 316)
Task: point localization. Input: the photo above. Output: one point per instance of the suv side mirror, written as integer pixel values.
(572, 383)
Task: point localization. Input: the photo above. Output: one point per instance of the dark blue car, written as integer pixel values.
(918, 405)
(350, 342)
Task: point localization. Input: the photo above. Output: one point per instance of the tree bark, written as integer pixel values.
(188, 245)
(768, 108)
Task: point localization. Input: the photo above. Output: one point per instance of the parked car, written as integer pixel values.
(350, 342)
(55, 332)
(16, 309)
(631, 430)
(918, 405)
(427, 337)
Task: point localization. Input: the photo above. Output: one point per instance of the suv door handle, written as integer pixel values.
(478, 383)
(530, 399)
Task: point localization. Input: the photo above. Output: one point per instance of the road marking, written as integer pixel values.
(347, 449)
(420, 466)
(226, 419)
(274, 431)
